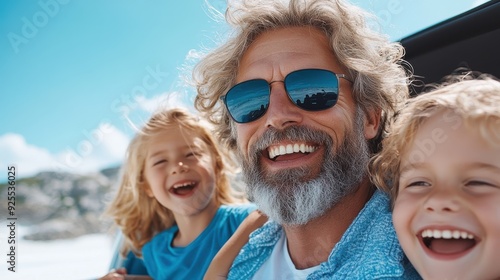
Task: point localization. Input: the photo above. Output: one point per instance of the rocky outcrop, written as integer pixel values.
(56, 205)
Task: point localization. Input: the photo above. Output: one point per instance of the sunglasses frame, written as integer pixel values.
(339, 76)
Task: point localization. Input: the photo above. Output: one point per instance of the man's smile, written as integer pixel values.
(276, 151)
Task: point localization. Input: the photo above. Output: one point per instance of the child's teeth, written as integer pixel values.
(446, 234)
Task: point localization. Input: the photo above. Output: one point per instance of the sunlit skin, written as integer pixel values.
(450, 185)
(272, 56)
(178, 157)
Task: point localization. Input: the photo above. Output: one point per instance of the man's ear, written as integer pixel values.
(372, 123)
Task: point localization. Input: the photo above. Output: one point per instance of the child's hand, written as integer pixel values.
(137, 277)
(221, 263)
(118, 274)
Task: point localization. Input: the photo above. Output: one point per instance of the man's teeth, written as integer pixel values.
(446, 234)
(290, 149)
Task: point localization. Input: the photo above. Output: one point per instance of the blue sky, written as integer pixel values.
(73, 71)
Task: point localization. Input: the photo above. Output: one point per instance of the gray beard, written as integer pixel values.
(295, 196)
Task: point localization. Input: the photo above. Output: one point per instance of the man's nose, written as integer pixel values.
(282, 112)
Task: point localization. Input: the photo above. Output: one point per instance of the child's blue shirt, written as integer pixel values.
(191, 262)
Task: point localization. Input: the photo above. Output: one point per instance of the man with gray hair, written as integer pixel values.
(302, 94)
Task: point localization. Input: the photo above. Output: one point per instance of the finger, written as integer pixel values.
(121, 270)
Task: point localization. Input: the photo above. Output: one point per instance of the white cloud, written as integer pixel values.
(28, 159)
(104, 146)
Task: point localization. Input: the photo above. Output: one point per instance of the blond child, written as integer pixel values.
(175, 205)
(441, 165)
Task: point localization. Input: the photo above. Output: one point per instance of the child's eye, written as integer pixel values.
(418, 184)
(193, 154)
(159, 162)
(479, 183)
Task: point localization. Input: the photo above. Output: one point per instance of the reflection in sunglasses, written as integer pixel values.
(309, 89)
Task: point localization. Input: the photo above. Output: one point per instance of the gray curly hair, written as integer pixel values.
(373, 62)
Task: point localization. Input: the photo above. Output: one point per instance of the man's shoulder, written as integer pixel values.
(263, 237)
(370, 247)
(370, 231)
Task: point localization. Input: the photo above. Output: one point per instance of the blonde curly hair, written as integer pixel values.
(139, 216)
(374, 63)
(476, 102)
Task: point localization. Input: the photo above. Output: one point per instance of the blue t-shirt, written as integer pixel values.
(134, 265)
(191, 262)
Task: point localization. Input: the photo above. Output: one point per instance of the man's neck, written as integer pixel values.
(311, 244)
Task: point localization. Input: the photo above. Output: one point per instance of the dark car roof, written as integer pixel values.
(471, 40)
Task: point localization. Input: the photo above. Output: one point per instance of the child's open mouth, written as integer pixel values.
(183, 188)
(448, 243)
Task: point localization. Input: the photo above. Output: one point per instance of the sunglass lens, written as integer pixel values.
(248, 101)
(312, 89)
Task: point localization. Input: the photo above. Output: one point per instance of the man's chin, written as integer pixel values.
(295, 204)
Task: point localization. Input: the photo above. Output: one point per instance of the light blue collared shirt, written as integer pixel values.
(369, 249)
